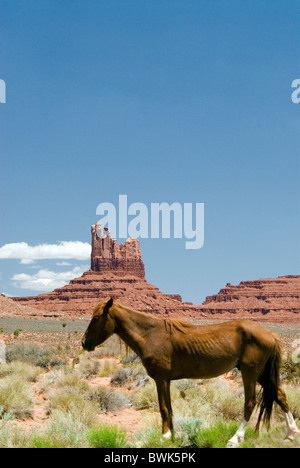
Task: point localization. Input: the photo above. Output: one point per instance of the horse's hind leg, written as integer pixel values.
(164, 399)
(249, 381)
(292, 429)
(281, 400)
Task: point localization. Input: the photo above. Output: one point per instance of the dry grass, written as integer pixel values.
(206, 413)
(22, 370)
(108, 399)
(16, 397)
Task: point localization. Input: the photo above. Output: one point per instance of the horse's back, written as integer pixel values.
(206, 351)
(254, 331)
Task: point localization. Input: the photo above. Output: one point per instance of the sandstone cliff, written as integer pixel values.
(118, 271)
(81, 295)
(108, 256)
(269, 299)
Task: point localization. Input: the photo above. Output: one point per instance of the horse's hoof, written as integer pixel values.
(167, 435)
(291, 435)
(232, 444)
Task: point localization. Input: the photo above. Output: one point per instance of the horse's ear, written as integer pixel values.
(108, 304)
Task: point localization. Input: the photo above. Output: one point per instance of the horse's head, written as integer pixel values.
(101, 327)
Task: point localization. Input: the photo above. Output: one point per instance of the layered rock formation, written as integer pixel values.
(269, 299)
(108, 256)
(81, 295)
(116, 271)
(10, 308)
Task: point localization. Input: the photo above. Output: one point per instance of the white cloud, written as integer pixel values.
(26, 261)
(63, 250)
(46, 280)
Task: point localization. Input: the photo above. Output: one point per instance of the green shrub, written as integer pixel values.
(63, 430)
(43, 442)
(152, 438)
(107, 437)
(17, 332)
(215, 436)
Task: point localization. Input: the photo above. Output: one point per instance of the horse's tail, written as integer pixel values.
(270, 381)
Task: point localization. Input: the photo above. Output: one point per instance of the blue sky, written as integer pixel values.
(164, 101)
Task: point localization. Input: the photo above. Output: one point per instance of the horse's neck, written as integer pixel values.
(131, 327)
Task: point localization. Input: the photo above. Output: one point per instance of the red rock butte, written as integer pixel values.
(117, 271)
(107, 256)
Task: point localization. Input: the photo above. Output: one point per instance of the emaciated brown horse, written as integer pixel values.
(175, 349)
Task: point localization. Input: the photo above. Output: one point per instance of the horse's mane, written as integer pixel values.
(173, 325)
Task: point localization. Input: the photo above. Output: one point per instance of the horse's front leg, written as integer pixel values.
(164, 399)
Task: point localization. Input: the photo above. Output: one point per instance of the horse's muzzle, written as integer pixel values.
(87, 344)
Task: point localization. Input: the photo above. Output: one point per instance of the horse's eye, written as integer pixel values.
(95, 319)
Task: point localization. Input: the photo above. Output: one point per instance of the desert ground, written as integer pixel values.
(54, 394)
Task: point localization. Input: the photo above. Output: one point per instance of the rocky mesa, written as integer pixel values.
(118, 271)
(268, 299)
